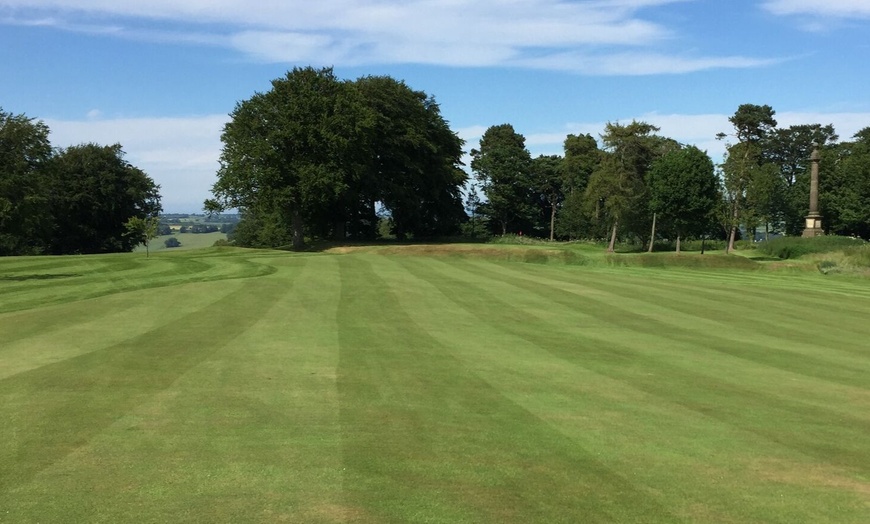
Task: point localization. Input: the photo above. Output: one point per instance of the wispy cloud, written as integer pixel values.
(826, 9)
(180, 154)
(594, 37)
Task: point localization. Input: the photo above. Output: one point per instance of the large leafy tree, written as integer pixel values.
(291, 152)
(789, 149)
(413, 167)
(503, 165)
(844, 195)
(94, 194)
(683, 191)
(319, 154)
(24, 152)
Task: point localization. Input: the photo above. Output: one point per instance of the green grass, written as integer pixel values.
(431, 384)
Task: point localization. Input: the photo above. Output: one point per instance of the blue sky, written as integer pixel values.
(160, 76)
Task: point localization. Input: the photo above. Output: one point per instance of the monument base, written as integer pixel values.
(813, 227)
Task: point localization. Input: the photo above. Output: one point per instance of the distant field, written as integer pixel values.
(188, 241)
(430, 384)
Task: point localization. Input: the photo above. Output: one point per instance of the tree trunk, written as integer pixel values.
(503, 228)
(678, 243)
(733, 231)
(703, 240)
(613, 237)
(652, 236)
(340, 232)
(552, 221)
(298, 237)
(766, 231)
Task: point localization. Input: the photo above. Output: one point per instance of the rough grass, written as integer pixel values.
(430, 384)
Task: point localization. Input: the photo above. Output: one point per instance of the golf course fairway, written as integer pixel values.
(377, 385)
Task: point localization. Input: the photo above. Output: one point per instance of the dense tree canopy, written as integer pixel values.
(503, 167)
(74, 200)
(684, 191)
(317, 154)
(24, 153)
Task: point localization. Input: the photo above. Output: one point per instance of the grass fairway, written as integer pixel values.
(228, 385)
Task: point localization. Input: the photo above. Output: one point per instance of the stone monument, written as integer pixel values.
(814, 219)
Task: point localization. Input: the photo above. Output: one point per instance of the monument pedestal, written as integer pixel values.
(813, 226)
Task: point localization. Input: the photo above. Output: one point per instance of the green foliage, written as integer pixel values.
(314, 155)
(24, 213)
(95, 192)
(174, 242)
(796, 247)
(503, 167)
(143, 229)
(684, 191)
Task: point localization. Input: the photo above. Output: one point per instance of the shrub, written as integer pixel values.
(794, 247)
(172, 242)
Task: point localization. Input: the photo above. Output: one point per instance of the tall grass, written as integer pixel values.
(796, 247)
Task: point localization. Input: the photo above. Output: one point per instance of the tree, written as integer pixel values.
(547, 177)
(172, 242)
(616, 189)
(683, 191)
(24, 215)
(502, 165)
(753, 126)
(413, 160)
(316, 154)
(95, 193)
(581, 158)
(789, 149)
(844, 195)
(143, 229)
(289, 153)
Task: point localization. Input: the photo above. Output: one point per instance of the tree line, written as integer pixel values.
(79, 199)
(320, 157)
(641, 186)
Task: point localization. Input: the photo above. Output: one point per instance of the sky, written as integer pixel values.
(161, 76)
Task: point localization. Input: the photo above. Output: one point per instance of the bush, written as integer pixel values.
(795, 247)
(172, 242)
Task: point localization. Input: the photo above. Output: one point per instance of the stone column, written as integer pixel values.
(814, 219)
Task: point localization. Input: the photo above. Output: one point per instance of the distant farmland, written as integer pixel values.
(429, 385)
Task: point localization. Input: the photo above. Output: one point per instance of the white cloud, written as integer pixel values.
(600, 37)
(828, 9)
(698, 130)
(180, 154)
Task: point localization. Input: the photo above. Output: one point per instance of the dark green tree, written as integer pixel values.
(24, 215)
(753, 127)
(290, 153)
(581, 158)
(789, 149)
(94, 194)
(844, 181)
(616, 194)
(502, 165)
(413, 167)
(683, 192)
(547, 179)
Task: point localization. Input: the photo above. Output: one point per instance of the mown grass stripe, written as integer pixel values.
(741, 405)
(54, 409)
(421, 431)
(783, 424)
